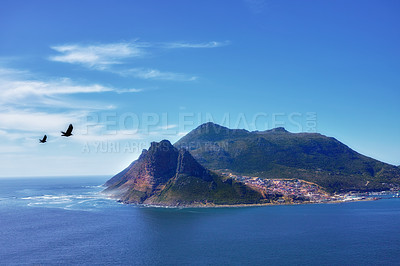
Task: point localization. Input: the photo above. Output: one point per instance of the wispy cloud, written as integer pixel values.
(105, 57)
(34, 121)
(26, 126)
(119, 91)
(166, 127)
(213, 44)
(23, 124)
(97, 55)
(23, 88)
(146, 73)
(15, 86)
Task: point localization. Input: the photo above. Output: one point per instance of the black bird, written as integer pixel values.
(69, 131)
(43, 140)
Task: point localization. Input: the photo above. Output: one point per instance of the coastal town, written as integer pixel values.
(294, 190)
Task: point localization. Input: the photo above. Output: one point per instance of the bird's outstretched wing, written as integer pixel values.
(69, 130)
(43, 140)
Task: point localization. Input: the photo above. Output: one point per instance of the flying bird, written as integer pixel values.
(68, 132)
(43, 140)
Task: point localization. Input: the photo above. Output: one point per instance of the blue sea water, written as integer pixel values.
(47, 221)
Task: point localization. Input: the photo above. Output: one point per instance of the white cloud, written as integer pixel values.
(30, 108)
(212, 44)
(64, 103)
(100, 56)
(97, 56)
(28, 126)
(166, 127)
(10, 72)
(128, 90)
(11, 135)
(144, 73)
(22, 88)
(16, 86)
(34, 121)
(105, 56)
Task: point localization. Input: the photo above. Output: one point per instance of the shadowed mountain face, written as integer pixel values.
(164, 175)
(277, 153)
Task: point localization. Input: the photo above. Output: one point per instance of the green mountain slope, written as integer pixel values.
(279, 154)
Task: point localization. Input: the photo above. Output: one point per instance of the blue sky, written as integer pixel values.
(126, 73)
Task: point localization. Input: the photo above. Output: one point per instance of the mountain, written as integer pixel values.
(278, 153)
(167, 176)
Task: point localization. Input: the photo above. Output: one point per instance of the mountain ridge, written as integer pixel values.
(277, 153)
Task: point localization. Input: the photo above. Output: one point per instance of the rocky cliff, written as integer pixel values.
(166, 176)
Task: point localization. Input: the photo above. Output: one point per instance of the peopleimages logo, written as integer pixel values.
(132, 132)
(132, 123)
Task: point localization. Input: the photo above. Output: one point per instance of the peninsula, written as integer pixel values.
(216, 166)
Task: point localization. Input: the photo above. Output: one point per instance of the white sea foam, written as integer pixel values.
(99, 186)
(89, 201)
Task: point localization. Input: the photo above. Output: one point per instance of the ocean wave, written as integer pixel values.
(69, 202)
(98, 186)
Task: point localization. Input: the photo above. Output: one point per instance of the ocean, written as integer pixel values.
(53, 221)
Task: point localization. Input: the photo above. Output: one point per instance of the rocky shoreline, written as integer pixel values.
(184, 206)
